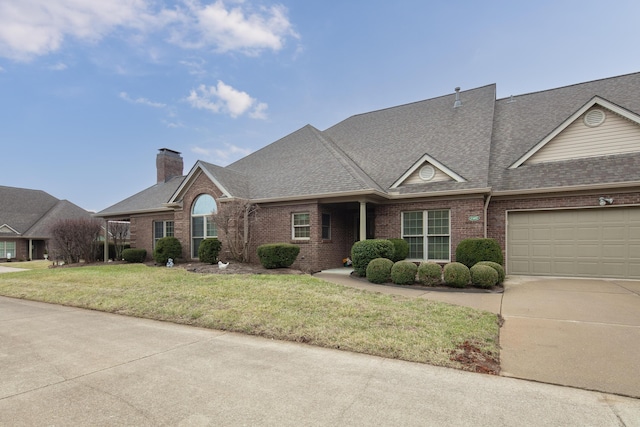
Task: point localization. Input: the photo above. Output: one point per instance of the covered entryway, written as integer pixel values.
(598, 242)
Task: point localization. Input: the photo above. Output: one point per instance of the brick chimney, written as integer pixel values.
(169, 164)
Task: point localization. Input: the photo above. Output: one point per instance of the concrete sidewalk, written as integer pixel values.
(73, 367)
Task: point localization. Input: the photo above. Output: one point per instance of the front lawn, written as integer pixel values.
(285, 307)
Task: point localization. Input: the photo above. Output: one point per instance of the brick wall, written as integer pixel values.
(141, 230)
(388, 220)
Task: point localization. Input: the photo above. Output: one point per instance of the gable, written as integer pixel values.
(598, 132)
(598, 129)
(427, 170)
(5, 229)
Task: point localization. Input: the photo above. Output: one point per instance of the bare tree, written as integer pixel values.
(119, 231)
(235, 219)
(74, 238)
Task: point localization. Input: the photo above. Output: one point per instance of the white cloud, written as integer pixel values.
(223, 98)
(235, 28)
(143, 101)
(58, 67)
(32, 28)
(222, 156)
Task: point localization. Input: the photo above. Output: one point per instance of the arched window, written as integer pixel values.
(202, 226)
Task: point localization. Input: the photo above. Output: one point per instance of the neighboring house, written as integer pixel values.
(26, 217)
(553, 176)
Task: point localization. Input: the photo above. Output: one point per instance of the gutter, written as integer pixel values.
(586, 187)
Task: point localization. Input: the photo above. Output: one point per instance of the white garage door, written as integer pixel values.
(601, 242)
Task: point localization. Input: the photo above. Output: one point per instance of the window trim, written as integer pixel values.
(164, 223)
(425, 233)
(294, 226)
(3, 251)
(207, 222)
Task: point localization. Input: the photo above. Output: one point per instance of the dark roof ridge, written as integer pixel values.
(350, 165)
(568, 86)
(412, 103)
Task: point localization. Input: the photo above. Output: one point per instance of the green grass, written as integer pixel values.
(286, 307)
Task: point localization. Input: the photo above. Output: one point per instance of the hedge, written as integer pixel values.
(456, 275)
(278, 255)
(134, 255)
(430, 273)
(379, 270)
(471, 251)
(167, 247)
(404, 273)
(208, 250)
(364, 251)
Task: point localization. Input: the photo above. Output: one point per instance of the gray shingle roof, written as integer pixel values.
(31, 212)
(150, 199)
(521, 124)
(369, 152)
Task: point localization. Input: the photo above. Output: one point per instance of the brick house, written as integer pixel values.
(26, 217)
(554, 176)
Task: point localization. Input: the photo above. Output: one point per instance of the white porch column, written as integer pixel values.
(363, 220)
(106, 240)
(30, 250)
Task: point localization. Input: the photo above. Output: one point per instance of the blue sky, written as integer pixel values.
(89, 90)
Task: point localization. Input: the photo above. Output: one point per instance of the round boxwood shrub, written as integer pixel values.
(379, 270)
(167, 247)
(208, 250)
(497, 267)
(278, 255)
(400, 249)
(364, 251)
(430, 273)
(483, 276)
(456, 275)
(471, 251)
(404, 273)
(134, 255)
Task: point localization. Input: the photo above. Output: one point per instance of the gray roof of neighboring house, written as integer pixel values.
(32, 212)
(149, 199)
(526, 120)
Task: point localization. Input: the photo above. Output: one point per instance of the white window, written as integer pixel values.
(428, 234)
(202, 225)
(162, 229)
(301, 226)
(7, 248)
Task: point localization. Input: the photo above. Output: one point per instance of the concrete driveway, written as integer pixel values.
(576, 332)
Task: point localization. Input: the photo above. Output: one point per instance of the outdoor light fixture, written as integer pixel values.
(605, 201)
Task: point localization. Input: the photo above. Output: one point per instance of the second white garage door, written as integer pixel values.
(602, 242)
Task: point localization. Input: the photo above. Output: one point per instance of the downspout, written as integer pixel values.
(486, 208)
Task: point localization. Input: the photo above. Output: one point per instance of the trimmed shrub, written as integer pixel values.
(167, 247)
(134, 255)
(430, 273)
(497, 267)
(400, 249)
(471, 251)
(456, 275)
(483, 276)
(379, 270)
(208, 250)
(404, 273)
(278, 255)
(364, 251)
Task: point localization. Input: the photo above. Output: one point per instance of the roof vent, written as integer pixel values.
(458, 103)
(427, 172)
(594, 118)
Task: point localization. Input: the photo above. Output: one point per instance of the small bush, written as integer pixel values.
(404, 273)
(379, 270)
(364, 251)
(400, 249)
(456, 275)
(278, 255)
(134, 255)
(471, 251)
(167, 247)
(483, 276)
(430, 273)
(497, 267)
(208, 250)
